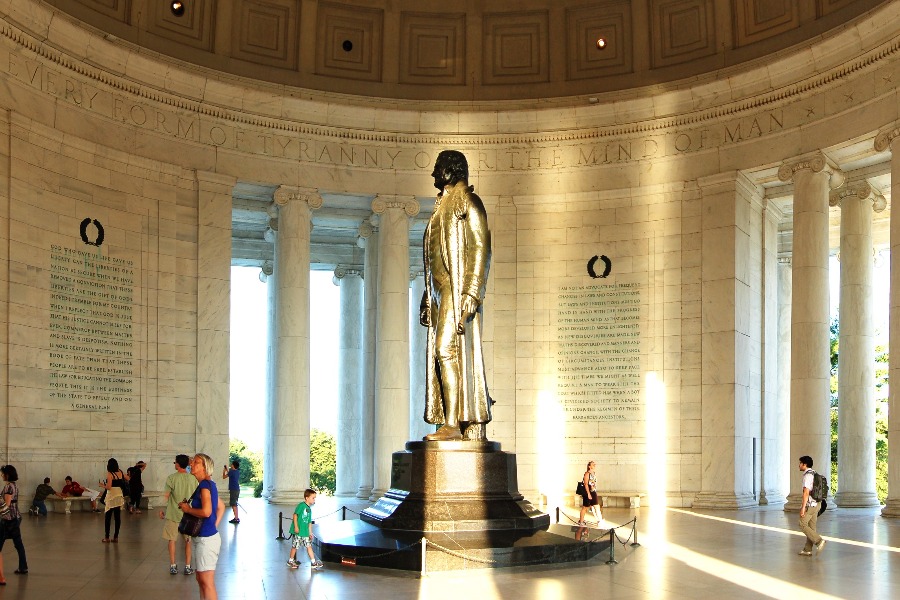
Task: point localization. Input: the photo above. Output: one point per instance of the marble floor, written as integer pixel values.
(683, 554)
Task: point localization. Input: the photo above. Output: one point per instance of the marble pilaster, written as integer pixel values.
(369, 238)
(890, 139)
(350, 373)
(418, 428)
(392, 335)
(730, 224)
(856, 360)
(213, 311)
(813, 176)
(290, 458)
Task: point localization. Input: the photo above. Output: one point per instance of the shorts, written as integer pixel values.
(170, 532)
(233, 497)
(206, 552)
(301, 542)
(593, 501)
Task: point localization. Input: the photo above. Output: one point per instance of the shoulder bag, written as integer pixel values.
(190, 524)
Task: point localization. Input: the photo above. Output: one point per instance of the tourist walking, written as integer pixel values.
(207, 505)
(589, 494)
(10, 522)
(809, 513)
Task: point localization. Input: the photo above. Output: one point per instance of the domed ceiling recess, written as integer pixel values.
(467, 50)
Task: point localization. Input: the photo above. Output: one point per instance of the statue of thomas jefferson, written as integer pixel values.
(457, 257)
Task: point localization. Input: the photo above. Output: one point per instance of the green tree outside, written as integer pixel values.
(251, 463)
(322, 462)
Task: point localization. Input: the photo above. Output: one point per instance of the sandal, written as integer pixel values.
(115, 540)
(105, 540)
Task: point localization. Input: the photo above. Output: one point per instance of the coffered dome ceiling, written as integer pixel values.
(454, 50)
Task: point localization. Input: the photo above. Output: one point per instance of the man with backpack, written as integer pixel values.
(809, 513)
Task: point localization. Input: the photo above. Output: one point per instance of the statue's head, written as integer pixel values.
(450, 167)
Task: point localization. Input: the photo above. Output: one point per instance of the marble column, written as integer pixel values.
(289, 461)
(350, 373)
(418, 335)
(856, 360)
(813, 176)
(890, 139)
(785, 298)
(213, 311)
(268, 270)
(773, 438)
(368, 238)
(392, 335)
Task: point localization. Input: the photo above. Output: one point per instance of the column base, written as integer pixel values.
(364, 492)
(891, 508)
(723, 500)
(856, 499)
(376, 494)
(291, 497)
(771, 498)
(793, 503)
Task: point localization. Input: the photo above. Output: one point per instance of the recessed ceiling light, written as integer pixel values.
(177, 8)
(601, 43)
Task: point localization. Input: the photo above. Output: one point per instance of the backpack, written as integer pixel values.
(819, 488)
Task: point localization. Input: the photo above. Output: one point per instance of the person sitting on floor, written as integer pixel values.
(41, 493)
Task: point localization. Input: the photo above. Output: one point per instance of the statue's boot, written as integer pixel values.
(445, 433)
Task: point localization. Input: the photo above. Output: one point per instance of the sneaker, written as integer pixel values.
(820, 545)
(805, 553)
(235, 521)
(317, 565)
(188, 570)
(173, 569)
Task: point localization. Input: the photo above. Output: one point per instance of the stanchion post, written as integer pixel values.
(344, 513)
(612, 547)
(424, 543)
(634, 531)
(557, 515)
(280, 527)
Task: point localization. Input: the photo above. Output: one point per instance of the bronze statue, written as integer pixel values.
(457, 256)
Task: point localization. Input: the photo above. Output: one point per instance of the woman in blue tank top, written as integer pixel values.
(206, 504)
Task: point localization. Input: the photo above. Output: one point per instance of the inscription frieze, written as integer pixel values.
(184, 119)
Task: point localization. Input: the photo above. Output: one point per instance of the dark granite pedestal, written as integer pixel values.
(363, 544)
(463, 498)
(454, 486)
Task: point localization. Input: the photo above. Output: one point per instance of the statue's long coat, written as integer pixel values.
(461, 221)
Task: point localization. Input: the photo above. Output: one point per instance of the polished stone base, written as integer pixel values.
(364, 544)
(454, 486)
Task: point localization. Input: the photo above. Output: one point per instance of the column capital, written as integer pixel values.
(342, 271)
(415, 274)
(885, 138)
(266, 270)
(409, 204)
(816, 162)
(210, 179)
(785, 260)
(861, 190)
(286, 193)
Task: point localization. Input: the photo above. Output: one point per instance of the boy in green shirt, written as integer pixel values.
(301, 532)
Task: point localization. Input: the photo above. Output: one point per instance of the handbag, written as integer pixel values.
(4, 508)
(190, 524)
(579, 489)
